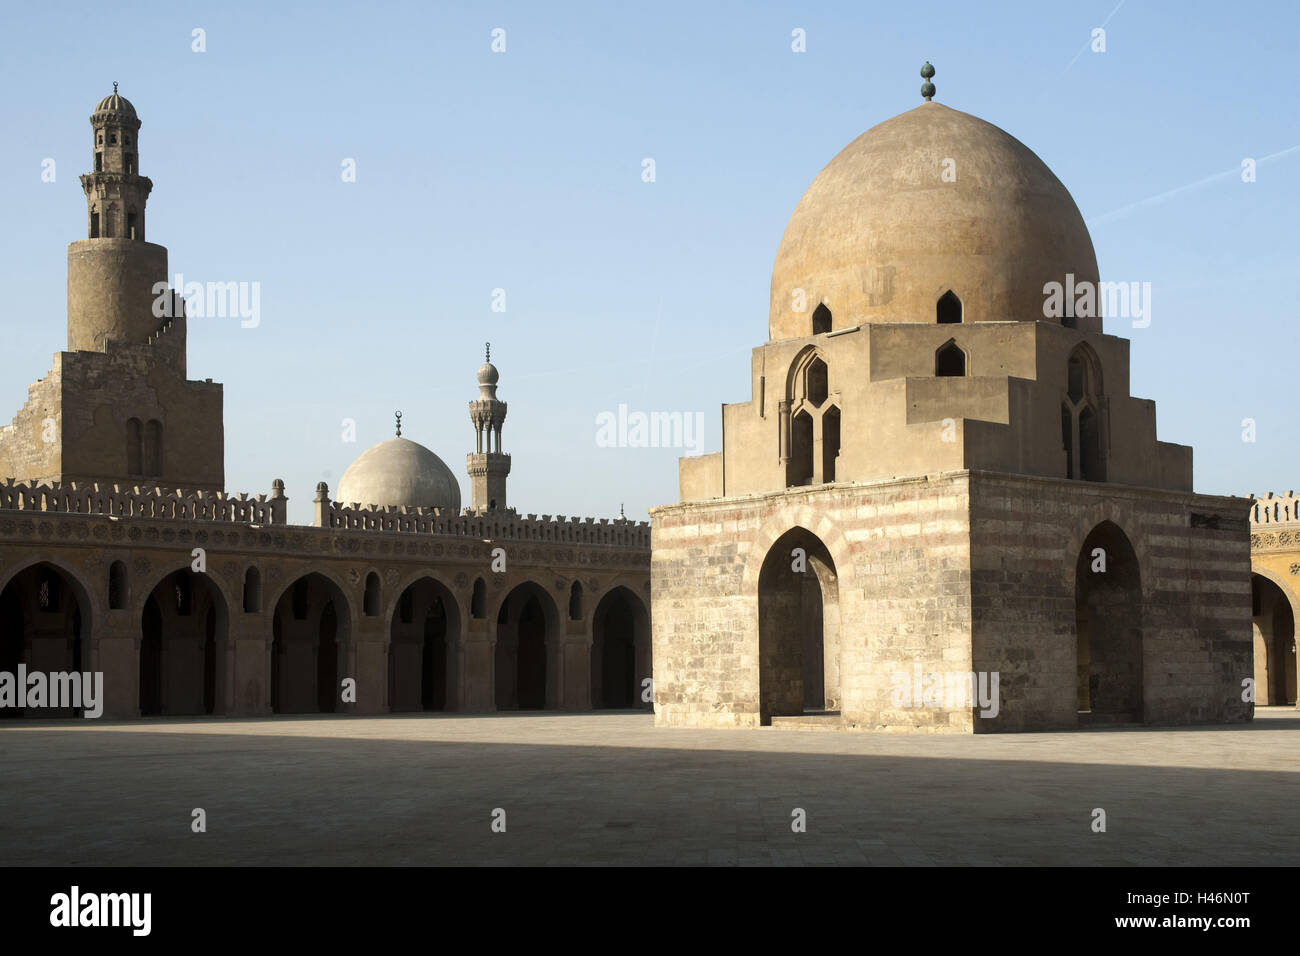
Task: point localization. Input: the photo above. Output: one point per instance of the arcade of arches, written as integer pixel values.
(178, 648)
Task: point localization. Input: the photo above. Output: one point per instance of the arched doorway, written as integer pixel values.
(423, 643)
(528, 626)
(182, 640)
(798, 628)
(620, 651)
(1273, 621)
(1108, 618)
(44, 625)
(310, 640)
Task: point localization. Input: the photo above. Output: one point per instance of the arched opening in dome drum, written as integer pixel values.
(527, 626)
(1273, 624)
(948, 309)
(423, 637)
(620, 650)
(950, 360)
(821, 319)
(183, 630)
(801, 450)
(1108, 619)
(798, 628)
(310, 636)
(42, 626)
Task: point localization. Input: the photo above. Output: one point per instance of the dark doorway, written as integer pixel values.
(798, 619)
(532, 657)
(1108, 615)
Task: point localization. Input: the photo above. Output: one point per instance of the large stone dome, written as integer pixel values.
(882, 233)
(400, 472)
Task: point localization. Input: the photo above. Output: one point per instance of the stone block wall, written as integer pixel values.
(952, 575)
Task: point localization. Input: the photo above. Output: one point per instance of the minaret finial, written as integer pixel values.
(927, 88)
(115, 86)
(488, 357)
(620, 511)
(399, 424)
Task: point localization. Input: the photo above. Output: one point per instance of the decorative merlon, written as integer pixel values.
(143, 502)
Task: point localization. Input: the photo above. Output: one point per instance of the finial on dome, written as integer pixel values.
(621, 516)
(399, 424)
(927, 88)
(115, 86)
(488, 356)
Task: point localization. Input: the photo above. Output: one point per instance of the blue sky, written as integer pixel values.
(522, 171)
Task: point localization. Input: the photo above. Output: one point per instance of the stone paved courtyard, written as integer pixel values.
(611, 788)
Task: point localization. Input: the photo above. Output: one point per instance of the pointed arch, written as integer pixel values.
(118, 595)
(1083, 416)
(948, 309)
(372, 598)
(950, 360)
(1109, 628)
(821, 319)
(798, 627)
(620, 649)
(575, 602)
(252, 591)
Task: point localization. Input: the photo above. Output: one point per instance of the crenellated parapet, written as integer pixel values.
(139, 502)
(1271, 509)
(489, 525)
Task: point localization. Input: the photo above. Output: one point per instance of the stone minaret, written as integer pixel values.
(114, 276)
(488, 467)
(116, 407)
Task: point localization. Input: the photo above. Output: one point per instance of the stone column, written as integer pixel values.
(116, 653)
(249, 644)
(478, 668)
(367, 663)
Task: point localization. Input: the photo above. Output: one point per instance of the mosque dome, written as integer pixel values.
(115, 103)
(403, 473)
(488, 374)
(931, 201)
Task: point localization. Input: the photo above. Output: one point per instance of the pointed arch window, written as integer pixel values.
(809, 422)
(821, 319)
(950, 360)
(1083, 417)
(948, 309)
(478, 600)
